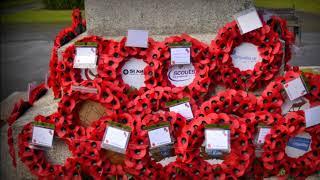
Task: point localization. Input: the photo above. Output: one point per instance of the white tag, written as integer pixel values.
(137, 38)
(263, 132)
(84, 89)
(86, 57)
(115, 137)
(295, 89)
(312, 116)
(159, 137)
(298, 145)
(183, 109)
(180, 55)
(89, 74)
(217, 139)
(46, 79)
(181, 75)
(245, 56)
(132, 73)
(31, 87)
(42, 136)
(248, 20)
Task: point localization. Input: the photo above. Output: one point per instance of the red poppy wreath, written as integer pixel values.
(165, 155)
(235, 164)
(118, 62)
(213, 111)
(36, 161)
(189, 78)
(66, 75)
(64, 36)
(274, 157)
(272, 98)
(240, 70)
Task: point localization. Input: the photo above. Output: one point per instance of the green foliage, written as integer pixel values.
(63, 4)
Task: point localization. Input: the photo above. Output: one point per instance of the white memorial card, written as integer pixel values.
(295, 88)
(218, 139)
(42, 136)
(180, 55)
(116, 137)
(263, 132)
(137, 38)
(132, 73)
(86, 57)
(312, 116)
(183, 109)
(248, 20)
(181, 75)
(160, 136)
(245, 56)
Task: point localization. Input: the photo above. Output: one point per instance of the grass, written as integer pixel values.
(38, 16)
(14, 3)
(310, 6)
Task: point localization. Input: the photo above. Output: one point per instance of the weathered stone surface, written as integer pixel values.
(7, 105)
(114, 17)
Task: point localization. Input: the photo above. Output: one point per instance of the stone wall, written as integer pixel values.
(115, 17)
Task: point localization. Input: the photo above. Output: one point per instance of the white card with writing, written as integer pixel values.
(158, 137)
(245, 56)
(180, 55)
(116, 137)
(183, 109)
(298, 145)
(137, 38)
(132, 72)
(42, 136)
(248, 20)
(295, 89)
(218, 139)
(86, 57)
(312, 116)
(263, 132)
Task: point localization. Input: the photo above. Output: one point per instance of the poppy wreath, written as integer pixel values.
(237, 103)
(269, 48)
(273, 97)
(18, 110)
(252, 120)
(94, 160)
(109, 96)
(275, 160)
(117, 54)
(236, 163)
(176, 123)
(199, 87)
(35, 159)
(65, 74)
(64, 36)
(279, 25)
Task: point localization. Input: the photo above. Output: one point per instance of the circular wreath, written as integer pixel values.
(116, 54)
(199, 59)
(268, 45)
(272, 98)
(236, 163)
(252, 120)
(275, 160)
(213, 111)
(177, 122)
(35, 159)
(279, 25)
(63, 37)
(65, 75)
